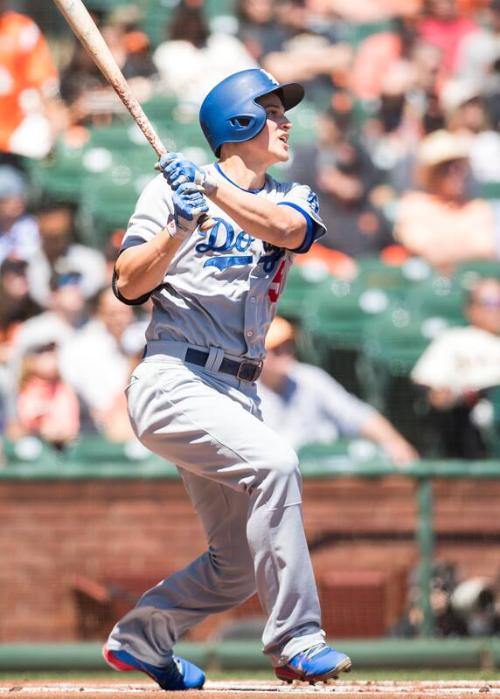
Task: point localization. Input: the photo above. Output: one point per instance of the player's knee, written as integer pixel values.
(234, 574)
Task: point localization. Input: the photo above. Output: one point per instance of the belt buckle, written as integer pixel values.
(249, 371)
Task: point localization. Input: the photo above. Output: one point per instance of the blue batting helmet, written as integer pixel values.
(230, 112)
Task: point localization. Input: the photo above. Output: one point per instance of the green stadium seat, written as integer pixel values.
(469, 272)
(333, 326)
(490, 190)
(156, 17)
(302, 279)
(392, 343)
(95, 448)
(439, 297)
(396, 280)
(59, 174)
(29, 450)
(108, 202)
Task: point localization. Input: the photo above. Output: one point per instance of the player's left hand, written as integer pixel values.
(177, 169)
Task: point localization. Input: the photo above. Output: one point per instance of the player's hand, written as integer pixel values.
(177, 170)
(189, 205)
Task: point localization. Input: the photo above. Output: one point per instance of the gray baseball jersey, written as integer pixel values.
(228, 280)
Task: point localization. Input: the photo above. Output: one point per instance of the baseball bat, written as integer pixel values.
(85, 29)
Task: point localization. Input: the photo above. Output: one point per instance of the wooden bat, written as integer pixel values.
(85, 29)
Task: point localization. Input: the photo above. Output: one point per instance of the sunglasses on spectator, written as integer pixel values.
(47, 347)
(488, 301)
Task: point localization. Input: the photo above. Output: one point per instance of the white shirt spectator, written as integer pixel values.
(460, 360)
(93, 363)
(89, 263)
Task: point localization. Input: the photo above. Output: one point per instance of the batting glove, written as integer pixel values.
(177, 170)
(189, 204)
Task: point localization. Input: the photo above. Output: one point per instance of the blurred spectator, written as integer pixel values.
(193, 59)
(59, 254)
(306, 405)
(98, 359)
(30, 110)
(258, 27)
(443, 26)
(458, 366)
(46, 407)
(371, 11)
(479, 50)
(467, 115)
(89, 98)
(343, 175)
(442, 223)
(17, 305)
(18, 230)
(407, 108)
(384, 58)
(65, 313)
(309, 54)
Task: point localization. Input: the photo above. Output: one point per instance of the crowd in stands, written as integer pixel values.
(399, 136)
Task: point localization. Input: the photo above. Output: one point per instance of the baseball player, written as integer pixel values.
(193, 398)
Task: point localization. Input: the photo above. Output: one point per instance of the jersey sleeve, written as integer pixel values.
(153, 212)
(302, 198)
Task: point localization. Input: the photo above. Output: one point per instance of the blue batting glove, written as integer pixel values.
(189, 205)
(177, 170)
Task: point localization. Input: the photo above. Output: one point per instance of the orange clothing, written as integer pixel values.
(445, 234)
(25, 66)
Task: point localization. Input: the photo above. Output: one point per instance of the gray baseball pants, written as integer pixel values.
(244, 483)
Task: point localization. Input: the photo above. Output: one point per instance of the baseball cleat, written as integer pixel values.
(317, 664)
(177, 675)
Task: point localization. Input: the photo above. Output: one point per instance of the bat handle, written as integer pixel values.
(205, 223)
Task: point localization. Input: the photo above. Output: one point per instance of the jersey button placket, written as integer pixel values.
(251, 306)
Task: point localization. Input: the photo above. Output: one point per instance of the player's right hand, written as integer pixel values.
(189, 204)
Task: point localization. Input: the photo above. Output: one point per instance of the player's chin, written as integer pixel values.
(281, 152)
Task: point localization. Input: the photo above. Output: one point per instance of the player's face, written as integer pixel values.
(273, 139)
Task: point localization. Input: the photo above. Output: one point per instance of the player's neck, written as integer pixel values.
(245, 175)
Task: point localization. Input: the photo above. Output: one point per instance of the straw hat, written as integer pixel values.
(440, 147)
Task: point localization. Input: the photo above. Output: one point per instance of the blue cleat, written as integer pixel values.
(317, 664)
(177, 675)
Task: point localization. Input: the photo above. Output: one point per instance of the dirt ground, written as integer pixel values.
(120, 689)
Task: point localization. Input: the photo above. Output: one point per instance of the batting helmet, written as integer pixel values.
(230, 112)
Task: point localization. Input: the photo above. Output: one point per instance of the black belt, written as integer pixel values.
(246, 370)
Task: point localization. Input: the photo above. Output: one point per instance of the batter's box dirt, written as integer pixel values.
(120, 689)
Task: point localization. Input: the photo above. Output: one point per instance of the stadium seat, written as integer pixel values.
(392, 343)
(59, 174)
(97, 449)
(337, 311)
(396, 280)
(439, 297)
(108, 202)
(469, 272)
(301, 281)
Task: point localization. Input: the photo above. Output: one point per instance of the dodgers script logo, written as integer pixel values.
(229, 248)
